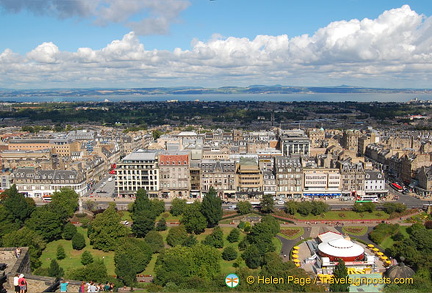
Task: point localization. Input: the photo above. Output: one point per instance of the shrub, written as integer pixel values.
(155, 241)
(69, 231)
(78, 241)
(215, 239)
(398, 236)
(86, 258)
(234, 235)
(61, 254)
(176, 235)
(229, 253)
(161, 225)
(55, 270)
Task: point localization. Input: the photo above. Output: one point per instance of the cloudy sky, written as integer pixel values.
(152, 43)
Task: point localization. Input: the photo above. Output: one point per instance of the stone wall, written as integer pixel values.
(21, 265)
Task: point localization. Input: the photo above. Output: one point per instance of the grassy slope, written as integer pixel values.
(73, 257)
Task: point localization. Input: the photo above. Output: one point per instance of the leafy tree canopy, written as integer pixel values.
(267, 203)
(340, 272)
(142, 225)
(17, 207)
(131, 257)
(193, 220)
(181, 264)
(47, 223)
(176, 235)
(155, 241)
(64, 202)
(106, 230)
(178, 206)
(244, 207)
(211, 208)
(27, 238)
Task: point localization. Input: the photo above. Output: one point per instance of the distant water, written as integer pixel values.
(316, 97)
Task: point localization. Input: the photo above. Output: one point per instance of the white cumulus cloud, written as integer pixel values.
(393, 50)
(155, 16)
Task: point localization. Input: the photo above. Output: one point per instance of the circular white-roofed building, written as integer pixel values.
(341, 248)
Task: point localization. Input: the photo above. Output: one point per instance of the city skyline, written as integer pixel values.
(74, 44)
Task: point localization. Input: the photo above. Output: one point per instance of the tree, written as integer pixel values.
(244, 207)
(229, 253)
(25, 237)
(319, 207)
(69, 231)
(215, 239)
(178, 206)
(176, 235)
(364, 207)
(369, 207)
(7, 223)
(95, 271)
(392, 207)
(161, 225)
(267, 203)
(86, 258)
(156, 134)
(211, 208)
(291, 207)
(193, 220)
(61, 254)
(55, 270)
(190, 241)
(143, 206)
(64, 202)
(340, 272)
(18, 209)
(234, 235)
(131, 257)
(47, 223)
(155, 241)
(182, 265)
(252, 257)
(106, 230)
(158, 206)
(142, 225)
(262, 234)
(78, 241)
(304, 208)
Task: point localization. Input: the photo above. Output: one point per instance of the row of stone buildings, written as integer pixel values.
(184, 173)
(286, 163)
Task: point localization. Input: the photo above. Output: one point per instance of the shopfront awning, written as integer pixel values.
(322, 194)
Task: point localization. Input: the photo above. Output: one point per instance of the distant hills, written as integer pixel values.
(253, 89)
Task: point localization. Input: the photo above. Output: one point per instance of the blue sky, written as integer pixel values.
(147, 43)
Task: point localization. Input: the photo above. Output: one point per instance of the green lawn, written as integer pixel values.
(388, 241)
(73, 257)
(278, 244)
(150, 267)
(355, 230)
(125, 216)
(344, 215)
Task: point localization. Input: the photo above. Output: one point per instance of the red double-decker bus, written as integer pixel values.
(396, 186)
